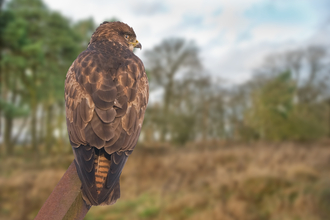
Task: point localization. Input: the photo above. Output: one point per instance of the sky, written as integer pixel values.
(234, 37)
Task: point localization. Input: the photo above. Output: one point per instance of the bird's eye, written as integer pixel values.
(126, 36)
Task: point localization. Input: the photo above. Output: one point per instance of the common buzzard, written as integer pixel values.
(106, 94)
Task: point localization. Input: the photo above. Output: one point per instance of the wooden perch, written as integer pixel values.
(65, 202)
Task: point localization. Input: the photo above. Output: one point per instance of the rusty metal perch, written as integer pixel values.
(65, 202)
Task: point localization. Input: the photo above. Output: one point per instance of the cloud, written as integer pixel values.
(149, 8)
(292, 12)
(279, 33)
(233, 36)
(192, 20)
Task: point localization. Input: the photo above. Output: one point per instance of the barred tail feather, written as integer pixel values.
(99, 173)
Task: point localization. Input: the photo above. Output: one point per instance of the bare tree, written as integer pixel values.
(309, 68)
(172, 61)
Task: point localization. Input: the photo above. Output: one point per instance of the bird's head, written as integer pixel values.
(116, 31)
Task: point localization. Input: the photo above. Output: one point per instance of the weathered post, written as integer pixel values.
(65, 202)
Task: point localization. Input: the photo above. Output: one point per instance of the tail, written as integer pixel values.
(99, 173)
(102, 164)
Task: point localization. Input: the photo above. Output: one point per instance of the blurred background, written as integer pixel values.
(238, 124)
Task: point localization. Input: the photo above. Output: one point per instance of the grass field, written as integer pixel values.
(286, 181)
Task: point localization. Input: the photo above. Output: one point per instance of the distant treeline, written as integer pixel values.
(287, 99)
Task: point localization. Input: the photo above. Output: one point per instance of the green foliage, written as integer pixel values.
(275, 115)
(149, 212)
(183, 128)
(324, 201)
(12, 111)
(84, 29)
(37, 48)
(112, 19)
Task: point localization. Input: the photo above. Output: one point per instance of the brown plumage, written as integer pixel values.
(106, 94)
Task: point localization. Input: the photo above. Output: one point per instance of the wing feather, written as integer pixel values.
(84, 160)
(103, 130)
(107, 95)
(106, 116)
(86, 113)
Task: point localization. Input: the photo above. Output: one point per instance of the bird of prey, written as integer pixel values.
(106, 94)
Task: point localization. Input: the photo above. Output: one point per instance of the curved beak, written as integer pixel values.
(137, 44)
